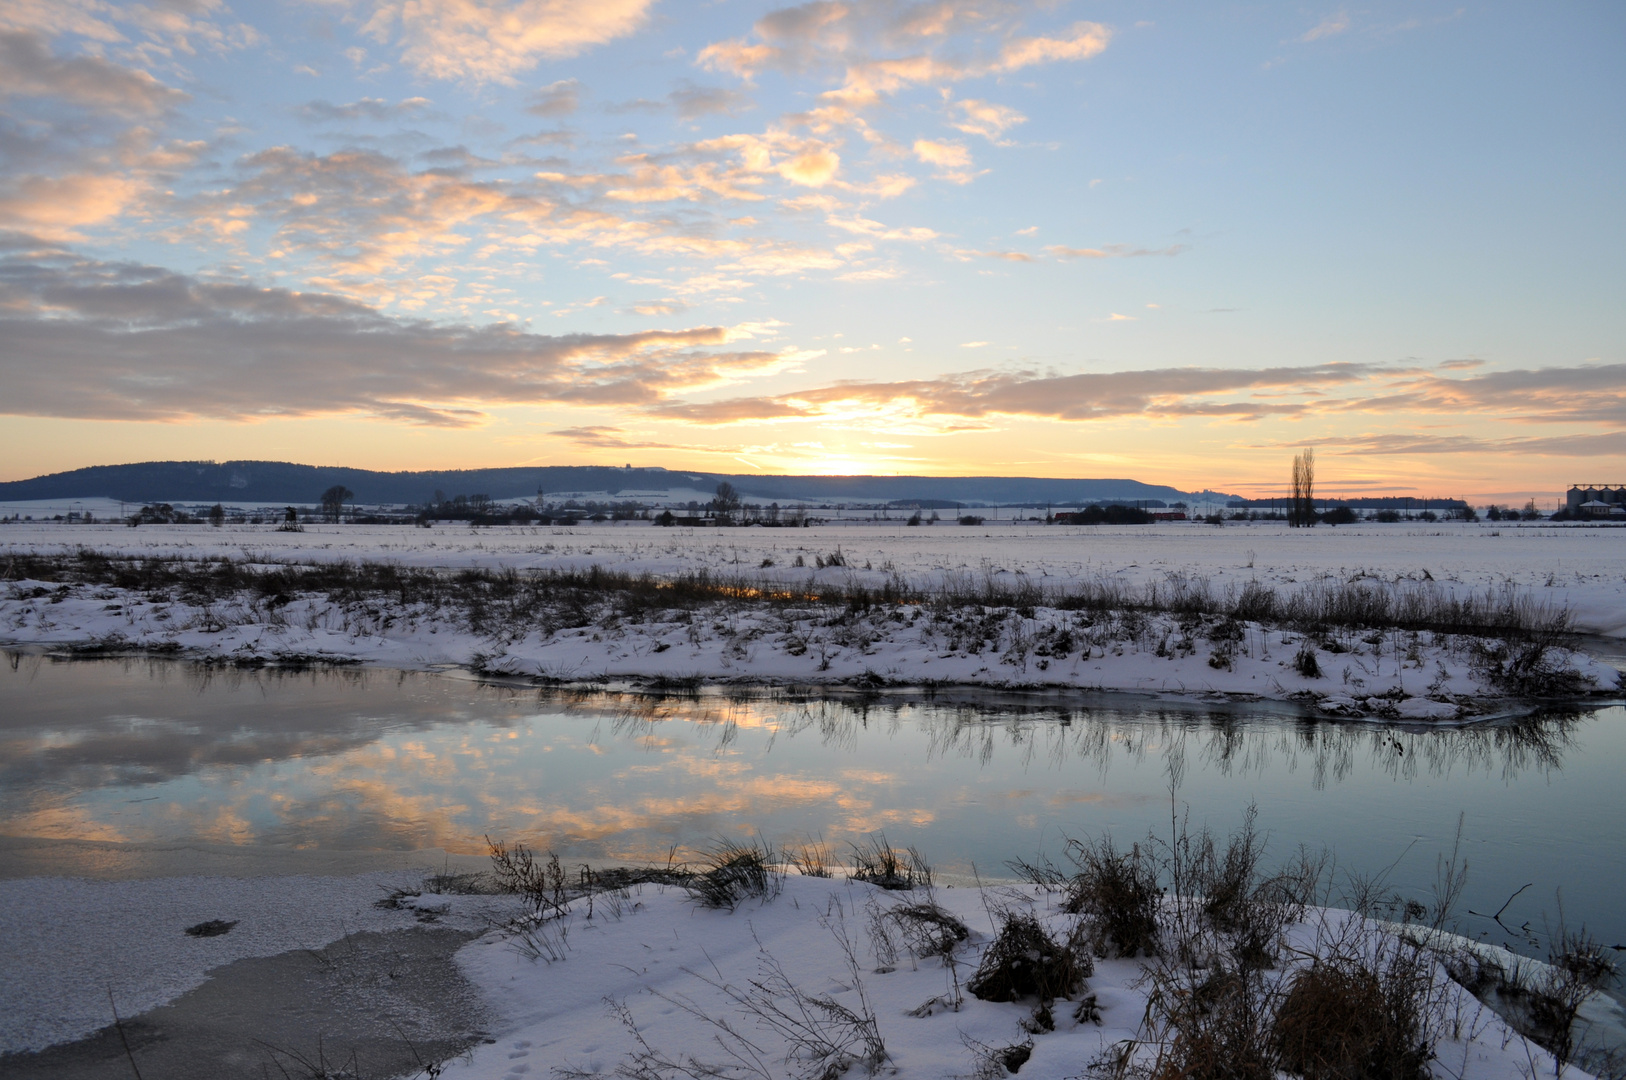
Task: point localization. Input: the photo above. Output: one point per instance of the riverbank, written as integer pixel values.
(755, 972)
(1364, 643)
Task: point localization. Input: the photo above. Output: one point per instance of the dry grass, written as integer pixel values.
(733, 873)
(492, 599)
(1344, 1021)
(811, 859)
(928, 930)
(878, 863)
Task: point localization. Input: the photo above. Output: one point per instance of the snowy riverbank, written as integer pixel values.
(1159, 610)
(801, 974)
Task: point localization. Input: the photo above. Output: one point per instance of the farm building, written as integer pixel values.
(1596, 500)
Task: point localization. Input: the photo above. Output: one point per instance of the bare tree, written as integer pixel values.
(1301, 508)
(726, 502)
(333, 500)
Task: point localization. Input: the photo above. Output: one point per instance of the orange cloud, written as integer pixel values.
(987, 119)
(493, 41)
(1087, 39)
(57, 207)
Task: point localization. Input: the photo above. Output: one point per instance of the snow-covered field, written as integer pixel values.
(648, 982)
(1394, 675)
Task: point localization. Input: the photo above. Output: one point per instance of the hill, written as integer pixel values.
(267, 482)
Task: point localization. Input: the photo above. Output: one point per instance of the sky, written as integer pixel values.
(1173, 242)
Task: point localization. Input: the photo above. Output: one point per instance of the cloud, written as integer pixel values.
(148, 35)
(375, 109)
(57, 179)
(493, 41)
(1596, 444)
(59, 206)
(556, 99)
(81, 139)
(1084, 40)
(28, 68)
(863, 226)
(606, 437)
(1585, 393)
(727, 167)
(880, 48)
(1331, 26)
(1588, 394)
(986, 119)
(658, 307)
(737, 58)
(951, 160)
(943, 155)
(692, 101)
(983, 395)
(358, 212)
(121, 341)
(1112, 251)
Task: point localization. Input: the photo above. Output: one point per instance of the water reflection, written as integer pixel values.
(1061, 738)
(157, 752)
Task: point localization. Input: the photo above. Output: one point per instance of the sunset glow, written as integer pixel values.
(1155, 241)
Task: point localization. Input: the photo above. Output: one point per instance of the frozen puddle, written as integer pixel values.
(374, 1004)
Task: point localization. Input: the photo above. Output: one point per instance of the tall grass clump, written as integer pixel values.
(878, 863)
(733, 873)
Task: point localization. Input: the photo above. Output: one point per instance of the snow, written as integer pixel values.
(664, 951)
(1579, 567)
(649, 954)
(1393, 676)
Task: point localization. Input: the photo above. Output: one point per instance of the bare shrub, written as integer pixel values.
(1519, 632)
(540, 938)
(1120, 892)
(1544, 1008)
(1305, 662)
(541, 885)
(996, 1062)
(883, 943)
(1024, 961)
(927, 929)
(1250, 912)
(1525, 667)
(1211, 1024)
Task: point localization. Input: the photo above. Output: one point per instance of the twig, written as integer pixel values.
(120, 1025)
(1498, 916)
